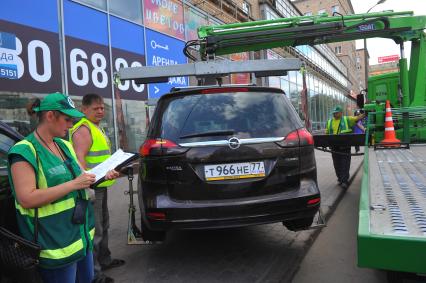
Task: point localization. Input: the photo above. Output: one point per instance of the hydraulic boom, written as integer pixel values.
(311, 30)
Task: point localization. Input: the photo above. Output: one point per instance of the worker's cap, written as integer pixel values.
(337, 109)
(59, 102)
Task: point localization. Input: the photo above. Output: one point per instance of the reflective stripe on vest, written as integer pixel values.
(100, 149)
(345, 129)
(67, 251)
(329, 128)
(344, 126)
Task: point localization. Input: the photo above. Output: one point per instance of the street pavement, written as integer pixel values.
(333, 256)
(264, 253)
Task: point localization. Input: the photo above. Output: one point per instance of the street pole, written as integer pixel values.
(366, 64)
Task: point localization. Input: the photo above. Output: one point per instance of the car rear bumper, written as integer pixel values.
(284, 206)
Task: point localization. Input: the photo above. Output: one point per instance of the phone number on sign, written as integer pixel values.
(8, 73)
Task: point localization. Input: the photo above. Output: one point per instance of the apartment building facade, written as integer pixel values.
(345, 51)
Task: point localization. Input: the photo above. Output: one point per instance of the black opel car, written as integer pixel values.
(226, 156)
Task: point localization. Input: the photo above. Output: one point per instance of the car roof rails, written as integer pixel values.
(209, 69)
(180, 88)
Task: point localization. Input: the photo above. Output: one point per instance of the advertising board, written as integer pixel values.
(165, 16)
(87, 52)
(164, 50)
(386, 59)
(29, 47)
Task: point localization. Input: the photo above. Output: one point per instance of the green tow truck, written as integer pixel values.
(392, 216)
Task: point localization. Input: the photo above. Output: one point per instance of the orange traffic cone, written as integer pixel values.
(390, 137)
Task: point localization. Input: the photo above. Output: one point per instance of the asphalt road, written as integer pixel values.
(333, 256)
(266, 253)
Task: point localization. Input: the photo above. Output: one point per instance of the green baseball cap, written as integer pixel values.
(337, 109)
(59, 102)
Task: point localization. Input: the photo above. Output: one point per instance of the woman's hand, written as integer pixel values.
(112, 174)
(84, 180)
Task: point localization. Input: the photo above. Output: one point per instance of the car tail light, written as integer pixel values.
(225, 89)
(314, 201)
(305, 137)
(298, 137)
(152, 144)
(292, 139)
(156, 215)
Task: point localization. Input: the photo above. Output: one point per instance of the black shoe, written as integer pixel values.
(344, 185)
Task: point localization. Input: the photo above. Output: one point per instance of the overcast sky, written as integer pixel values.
(383, 47)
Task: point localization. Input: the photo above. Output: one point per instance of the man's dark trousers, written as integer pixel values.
(101, 252)
(342, 162)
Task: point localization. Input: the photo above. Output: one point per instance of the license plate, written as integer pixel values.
(234, 171)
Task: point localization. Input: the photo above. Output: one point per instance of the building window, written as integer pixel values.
(338, 49)
(308, 14)
(246, 8)
(128, 9)
(100, 4)
(285, 8)
(322, 11)
(335, 8)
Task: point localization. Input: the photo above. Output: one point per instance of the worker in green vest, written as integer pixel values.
(49, 187)
(337, 125)
(92, 147)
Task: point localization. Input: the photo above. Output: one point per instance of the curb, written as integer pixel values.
(311, 235)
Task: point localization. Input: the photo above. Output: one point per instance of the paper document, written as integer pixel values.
(119, 157)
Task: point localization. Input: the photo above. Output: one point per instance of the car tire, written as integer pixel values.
(299, 224)
(147, 233)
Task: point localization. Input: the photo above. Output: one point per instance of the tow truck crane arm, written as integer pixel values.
(310, 30)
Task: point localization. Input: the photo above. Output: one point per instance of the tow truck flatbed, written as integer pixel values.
(392, 223)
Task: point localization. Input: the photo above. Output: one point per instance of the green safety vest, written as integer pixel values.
(100, 149)
(344, 126)
(61, 241)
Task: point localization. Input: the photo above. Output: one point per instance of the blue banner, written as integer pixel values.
(41, 15)
(128, 50)
(7, 40)
(84, 23)
(8, 66)
(163, 50)
(29, 59)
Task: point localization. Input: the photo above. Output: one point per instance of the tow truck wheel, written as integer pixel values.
(299, 224)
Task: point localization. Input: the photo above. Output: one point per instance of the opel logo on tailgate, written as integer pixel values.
(234, 143)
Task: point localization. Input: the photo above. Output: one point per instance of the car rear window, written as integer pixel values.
(200, 117)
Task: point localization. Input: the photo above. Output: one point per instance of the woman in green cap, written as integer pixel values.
(49, 187)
